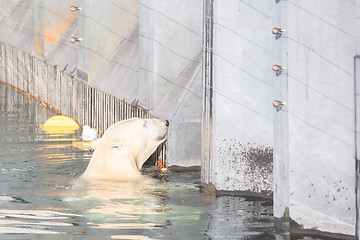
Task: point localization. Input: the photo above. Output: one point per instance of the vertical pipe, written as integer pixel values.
(1, 62)
(121, 110)
(35, 86)
(96, 109)
(86, 105)
(99, 107)
(81, 101)
(281, 128)
(357, 143)
(84, 111)
(112, 120)
(8, 67)
(357, 120)
(26, 72)
(5, 65)
(118, 112)
(116, 118)
(92, 106)
(115, 110)
(102, 112)
(207, 105)
(18, 78)
(2, 68)
(20, 70)
(108, 109)
(75, 91)
(106, 112)
(125, 112)
(71, 107)
(11, 67)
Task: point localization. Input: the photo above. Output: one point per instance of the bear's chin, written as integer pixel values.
(161, 138)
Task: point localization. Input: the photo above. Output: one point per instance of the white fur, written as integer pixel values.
(124, 148)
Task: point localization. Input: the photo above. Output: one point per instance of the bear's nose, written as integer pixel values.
(167, 123)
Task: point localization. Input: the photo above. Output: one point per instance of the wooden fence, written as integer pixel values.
(67, 94)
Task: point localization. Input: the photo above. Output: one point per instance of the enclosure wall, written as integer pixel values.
(237, 117)
(206, 66)
(313, 154)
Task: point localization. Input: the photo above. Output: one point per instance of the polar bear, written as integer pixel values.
(124, 148)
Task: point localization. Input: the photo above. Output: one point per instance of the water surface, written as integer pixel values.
(41, 198)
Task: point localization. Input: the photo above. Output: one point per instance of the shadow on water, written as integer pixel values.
(41, 196)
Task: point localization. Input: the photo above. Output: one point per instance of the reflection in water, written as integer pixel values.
(41, 195)
(138, 202)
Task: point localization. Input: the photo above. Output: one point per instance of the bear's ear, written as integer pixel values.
(95, 143)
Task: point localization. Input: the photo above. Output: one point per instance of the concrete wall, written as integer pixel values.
(238, 98)
(51, 18)
(170, 71)
(149, 53)
(5, 8)
(17, 24)
(103, 26)
(314, 131)
(314, 177)
(357, 117)
(170, 37)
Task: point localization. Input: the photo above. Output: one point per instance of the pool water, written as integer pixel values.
(41, 197)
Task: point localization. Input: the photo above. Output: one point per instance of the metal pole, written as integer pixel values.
(281, 121)
(356, 157)
(207, 105)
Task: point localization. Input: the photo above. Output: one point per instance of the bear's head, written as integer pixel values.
(124, 148)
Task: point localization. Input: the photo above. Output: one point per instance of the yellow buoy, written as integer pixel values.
(60, 124)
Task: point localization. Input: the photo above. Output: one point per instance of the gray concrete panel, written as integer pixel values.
(321, 43)
(5, 7)
(103, 25)
(170, 64)
(357, 119)
(357, 139)
(240, 116)
(207, 157)
(170, 38)
(184, 144)
(17, 28)
(51, 18)
(64, 54)
(152, 60)
(281, 119)
(119, 75)
(182, 105)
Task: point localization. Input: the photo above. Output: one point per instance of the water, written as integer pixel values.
(41, 198)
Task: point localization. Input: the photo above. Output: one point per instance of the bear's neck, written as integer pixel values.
(112, 169)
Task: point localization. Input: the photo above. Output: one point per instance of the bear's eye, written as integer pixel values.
(115, 146)
(145, 124)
